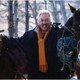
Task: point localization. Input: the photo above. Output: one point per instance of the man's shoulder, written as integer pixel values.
(29, 33)
(56, 26)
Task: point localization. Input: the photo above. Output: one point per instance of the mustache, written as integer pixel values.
(44, 24)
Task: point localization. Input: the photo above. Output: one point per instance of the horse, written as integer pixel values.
(12, 63)
(69, 41)
(76, 26)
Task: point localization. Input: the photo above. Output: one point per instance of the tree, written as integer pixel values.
(10, 19)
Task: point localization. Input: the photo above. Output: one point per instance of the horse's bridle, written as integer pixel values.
(63, 45)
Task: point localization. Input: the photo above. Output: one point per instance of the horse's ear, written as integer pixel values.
(73, 9)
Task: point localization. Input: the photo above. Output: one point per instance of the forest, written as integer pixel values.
(18, 16)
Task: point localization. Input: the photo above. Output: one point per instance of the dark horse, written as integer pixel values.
(69, 37)
(76, 27)
(12, 63)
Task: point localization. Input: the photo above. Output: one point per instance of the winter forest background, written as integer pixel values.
(18, 16)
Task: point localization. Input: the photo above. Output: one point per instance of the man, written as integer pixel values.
(39, 46)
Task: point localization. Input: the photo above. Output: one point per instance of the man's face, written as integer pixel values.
(45, 22)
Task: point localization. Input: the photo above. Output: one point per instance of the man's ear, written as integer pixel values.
(73, 9)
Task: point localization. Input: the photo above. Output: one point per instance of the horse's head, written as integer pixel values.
(75, 21)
